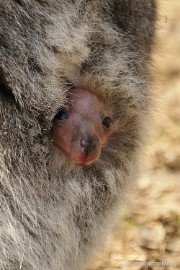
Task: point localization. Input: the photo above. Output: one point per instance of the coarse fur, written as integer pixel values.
(53, 213)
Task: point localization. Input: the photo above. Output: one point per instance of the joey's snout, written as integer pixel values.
(90, 149)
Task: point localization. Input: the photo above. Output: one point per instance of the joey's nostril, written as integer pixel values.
(88, 143)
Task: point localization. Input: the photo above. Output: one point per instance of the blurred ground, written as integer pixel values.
(149, 228)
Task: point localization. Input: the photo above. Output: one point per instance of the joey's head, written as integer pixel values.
(81, 129)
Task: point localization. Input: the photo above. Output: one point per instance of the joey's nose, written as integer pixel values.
(88, 144)
(89, 150)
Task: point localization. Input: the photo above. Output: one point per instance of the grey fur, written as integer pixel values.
(53, 213)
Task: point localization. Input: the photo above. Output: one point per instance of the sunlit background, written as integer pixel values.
(148, 229)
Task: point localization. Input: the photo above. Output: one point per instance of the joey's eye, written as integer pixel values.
(106, 122)
(61, 115)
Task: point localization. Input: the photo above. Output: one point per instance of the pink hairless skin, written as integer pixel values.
(81, 129)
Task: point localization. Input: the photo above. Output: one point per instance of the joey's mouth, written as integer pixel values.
(83, 159)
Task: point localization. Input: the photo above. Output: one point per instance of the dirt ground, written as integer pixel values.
(148, 229)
